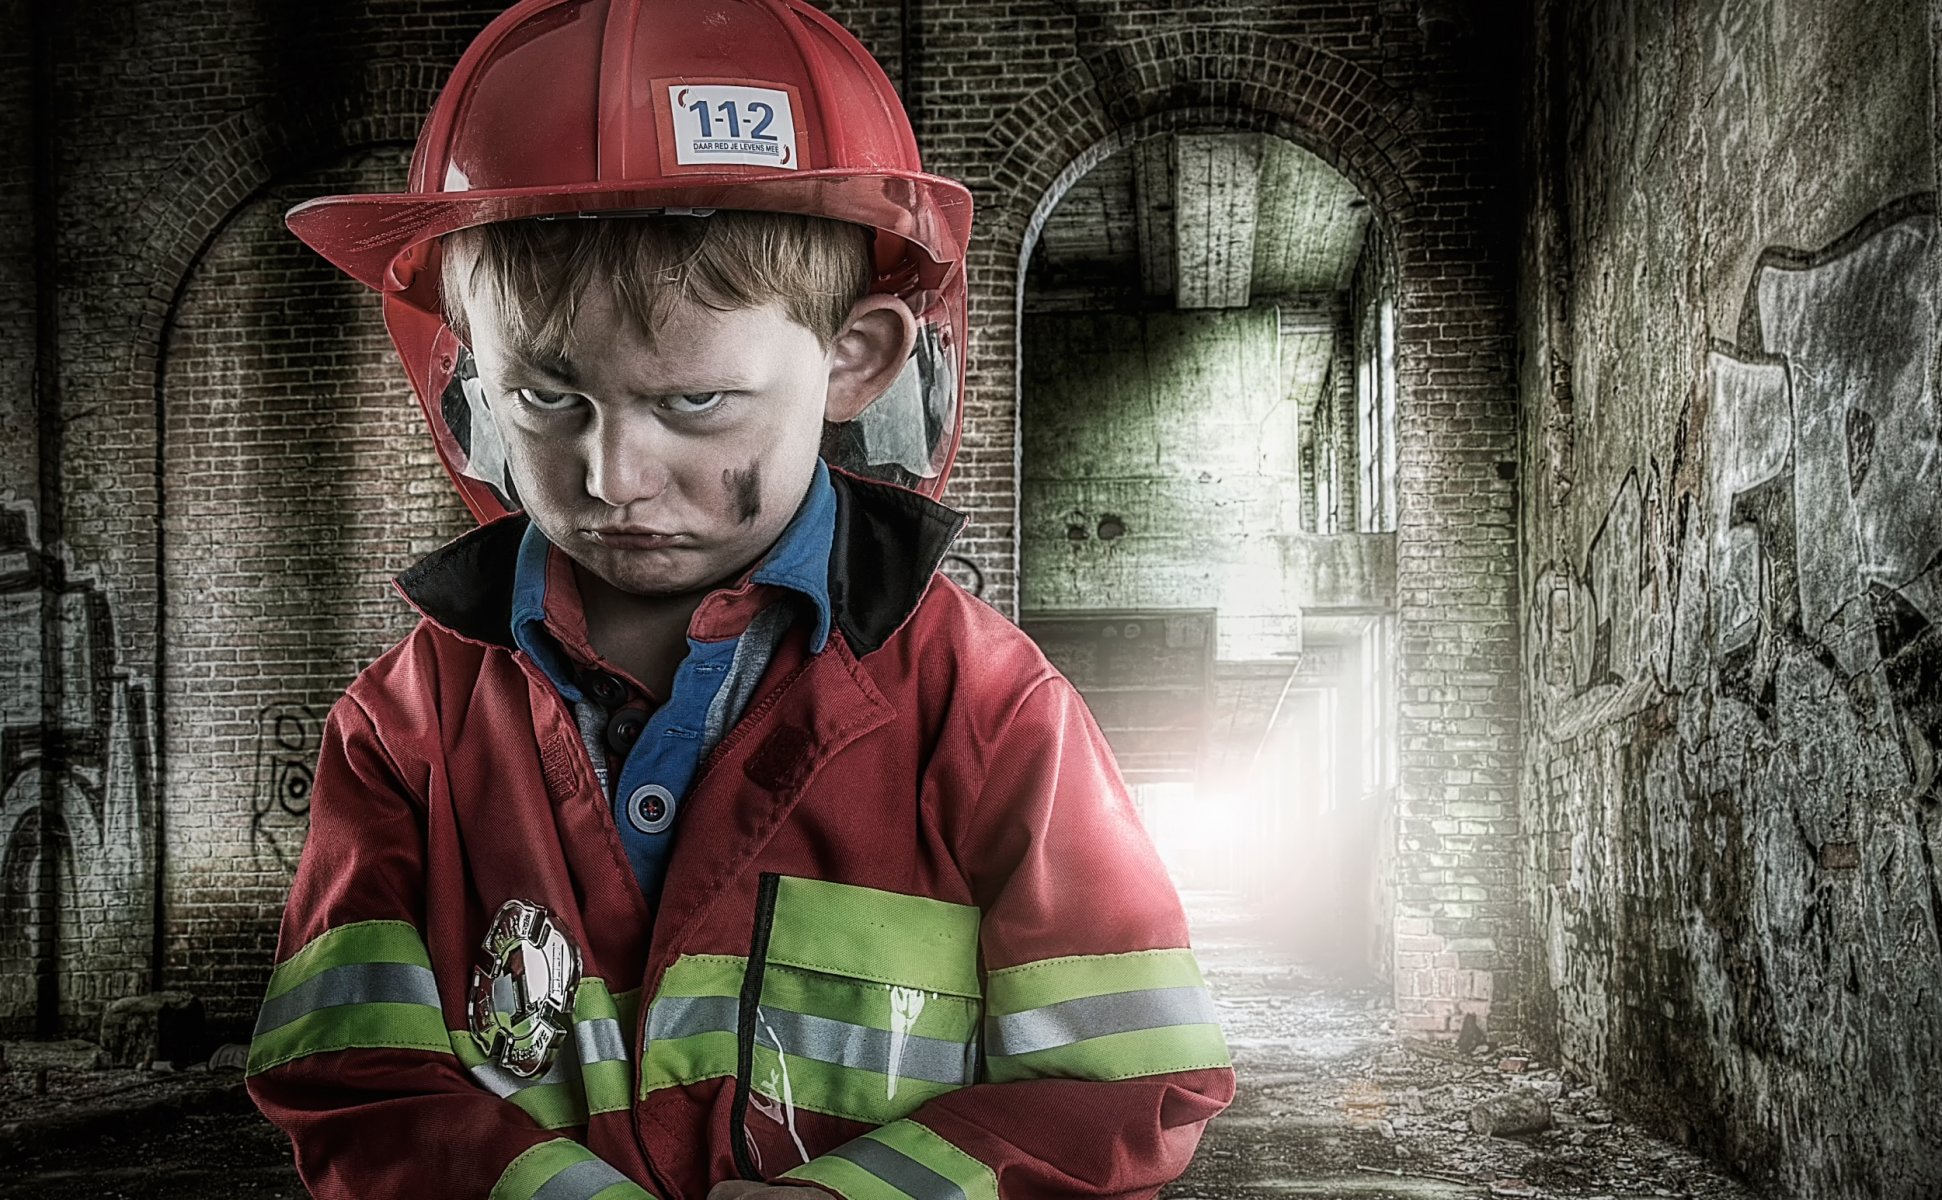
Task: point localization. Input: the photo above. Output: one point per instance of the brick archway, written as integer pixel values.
(1229, 80)
(227, 173)
(1457, 941)
(238, 159)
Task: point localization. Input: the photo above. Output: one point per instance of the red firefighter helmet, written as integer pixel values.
(623, 107)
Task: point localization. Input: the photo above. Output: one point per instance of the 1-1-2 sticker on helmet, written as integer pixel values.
(715, 124)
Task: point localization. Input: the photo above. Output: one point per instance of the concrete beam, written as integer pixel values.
(1153, 204)
(1216, 187)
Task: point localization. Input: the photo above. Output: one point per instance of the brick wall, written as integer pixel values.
(180, 126)
(19, 459)
(1173, 425)
(182, 117)
(295, 484)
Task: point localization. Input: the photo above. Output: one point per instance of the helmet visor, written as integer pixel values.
(908, 435)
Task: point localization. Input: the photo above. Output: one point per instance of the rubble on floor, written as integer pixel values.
(1333, 1103)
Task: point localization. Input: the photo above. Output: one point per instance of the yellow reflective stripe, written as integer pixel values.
(876, 1005)
(359, 942)
(564, 1170)
(1118, 1056)
(379, 1026)
(703, 975)
(1055, 980)
(364, 986)
(866, 933)
(904, 1160)
(602, 1027)
(588, 1075)
(1104, 1017)
(853, 1093)
(692, 1022)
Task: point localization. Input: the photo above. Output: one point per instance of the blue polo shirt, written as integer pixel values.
(711, 686)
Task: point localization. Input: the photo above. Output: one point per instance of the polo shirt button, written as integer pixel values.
(607, 689)
(625, 729)
(651, 808)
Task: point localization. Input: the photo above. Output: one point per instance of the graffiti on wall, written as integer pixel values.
(1797, 520)
(289, 736)
(88, 738)
(1737, 710)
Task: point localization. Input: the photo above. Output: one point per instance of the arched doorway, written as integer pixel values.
(1207, 512)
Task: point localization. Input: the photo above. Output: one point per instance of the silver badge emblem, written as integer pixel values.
(522, 997)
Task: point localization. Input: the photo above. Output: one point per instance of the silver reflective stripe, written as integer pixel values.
(600, 1040)
(1097, 1016)
(683, 1016)
(845, 1045)
(583, 1180)
(352, 983)
(501, 1082)
(899, 1170)
(935, 1060)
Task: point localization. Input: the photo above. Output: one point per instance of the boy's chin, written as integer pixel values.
(661, 580)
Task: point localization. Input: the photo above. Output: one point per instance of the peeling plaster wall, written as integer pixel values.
(1160, 470)
(1733, 572)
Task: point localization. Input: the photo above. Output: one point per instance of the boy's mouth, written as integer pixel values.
(629, 538)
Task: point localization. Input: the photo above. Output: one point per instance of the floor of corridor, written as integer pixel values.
(1332, 1103)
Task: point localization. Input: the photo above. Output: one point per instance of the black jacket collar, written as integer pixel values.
(888, 543)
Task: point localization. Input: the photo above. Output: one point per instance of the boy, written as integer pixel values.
(701, 841)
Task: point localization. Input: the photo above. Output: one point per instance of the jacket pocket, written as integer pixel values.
(858, 1003)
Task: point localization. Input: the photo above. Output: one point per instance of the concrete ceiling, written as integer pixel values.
(1211, 221)
(1199, 221)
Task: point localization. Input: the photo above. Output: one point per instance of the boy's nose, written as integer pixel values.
(627, 460)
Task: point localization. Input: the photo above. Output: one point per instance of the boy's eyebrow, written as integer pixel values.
(544, 363)
(554, 366)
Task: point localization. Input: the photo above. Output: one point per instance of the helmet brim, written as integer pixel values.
(374, 238)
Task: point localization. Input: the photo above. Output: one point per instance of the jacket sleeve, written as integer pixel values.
(353, 1055)
(1103, 1057)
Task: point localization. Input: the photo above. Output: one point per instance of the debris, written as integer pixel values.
(1519, 1110)
(1399, 1173)
(230, 1056)
(1511, 1187)
(164, 1026)
(1513, 1066)
(1440, 1053)
(72, 1054)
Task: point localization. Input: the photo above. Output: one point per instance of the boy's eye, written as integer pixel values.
(544, 401)
(695, 402)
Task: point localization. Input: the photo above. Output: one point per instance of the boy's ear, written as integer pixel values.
(868, 354)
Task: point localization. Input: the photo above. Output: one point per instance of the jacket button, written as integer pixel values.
(651, 808)
(625, 729)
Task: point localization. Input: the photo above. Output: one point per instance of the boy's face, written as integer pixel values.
(671, 467)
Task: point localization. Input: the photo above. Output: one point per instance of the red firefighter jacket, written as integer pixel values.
(913, 942)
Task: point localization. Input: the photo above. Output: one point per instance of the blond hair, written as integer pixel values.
(539, 271)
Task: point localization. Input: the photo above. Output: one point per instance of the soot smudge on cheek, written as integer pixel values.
(744, 488)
